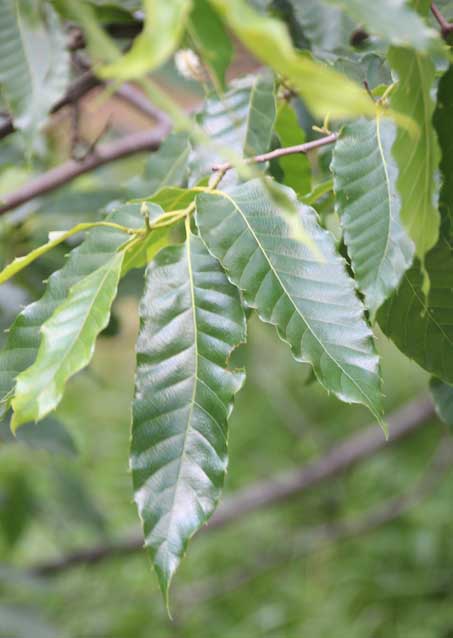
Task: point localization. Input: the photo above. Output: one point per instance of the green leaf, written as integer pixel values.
(34, 61)
(421, 327)
(242, 120)
(296, 168)
(323, 89)
(67, 343)
(443, 118)
(165, 21)
(168, 166)
(17, 505)
(311, 301)
(369, 208)
(211, 41)
(393, 20)
(327, 28)
(442, 395)
(191, 320)
(20, 263)
(417, 159)
(23, 340)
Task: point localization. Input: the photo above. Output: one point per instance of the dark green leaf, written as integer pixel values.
(191, 320)
(369, 208)
(50, 436)
(16, 505)
(327, 28)
(422, 328)
(311, 300)
(296, 168)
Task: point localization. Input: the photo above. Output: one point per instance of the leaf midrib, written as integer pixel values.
(369, 401)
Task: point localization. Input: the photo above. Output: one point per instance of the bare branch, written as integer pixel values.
(281, 152)
(445, 26)
(56, 177)
(276, 490)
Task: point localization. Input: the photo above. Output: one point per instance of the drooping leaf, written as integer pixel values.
(165, 21)
(393, 20)
(442, 395)
(242, 120)
(34, 61)
(168, 166)
(369, 208)
(67, 343)
(323, 89)
(310, 300)
(296, 168)
(211, 40)
(191, 320)
(23, 339)
(443, 117)
(417, 159)
(421, 327)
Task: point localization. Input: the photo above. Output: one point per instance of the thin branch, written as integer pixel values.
(132, 95)
(445, 26)
(318, 537)
(281, 152)
(104, 154)
(276, 490)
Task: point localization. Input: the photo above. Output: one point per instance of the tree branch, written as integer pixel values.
(276, 490)
(105, 153)
(445, 26)
(281, 152)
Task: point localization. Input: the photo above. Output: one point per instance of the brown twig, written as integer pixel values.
(445, 26)
(281, 152)
(278, 489)
(56, 177)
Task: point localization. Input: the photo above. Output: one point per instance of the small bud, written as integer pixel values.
(189, 65)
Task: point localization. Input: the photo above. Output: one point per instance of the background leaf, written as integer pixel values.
(422, 328)
(369, 208)
(310, 300)
(443, 117)
(211, 40)
(191, 320)
(296, 168)
(323, 89)
(417, 159)
(34, 61)
(165, 21)
(442, 395)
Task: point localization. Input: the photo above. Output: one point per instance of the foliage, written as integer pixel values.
(229, 217)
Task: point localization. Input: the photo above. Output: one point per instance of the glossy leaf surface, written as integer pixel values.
(67, 343)
(191, 320)
(310, 300)
(442, 395)
(369, 208)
